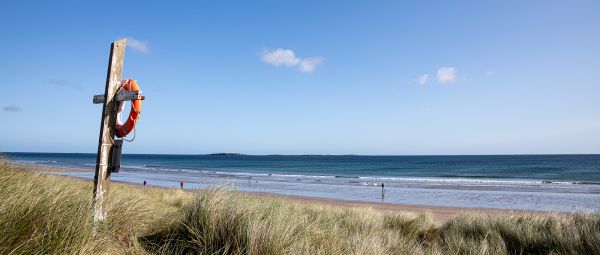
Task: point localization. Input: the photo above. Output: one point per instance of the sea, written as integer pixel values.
(559, 183)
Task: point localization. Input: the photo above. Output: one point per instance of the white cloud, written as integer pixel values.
(422, 80)
(12, 108)
(310, 64)
(446, 74)
(137, 45)
(287, 58)
(278, 57)
(489, 73)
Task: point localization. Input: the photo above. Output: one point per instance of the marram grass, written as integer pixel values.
(46, 214)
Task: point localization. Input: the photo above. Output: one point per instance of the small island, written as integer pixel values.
(227, 154)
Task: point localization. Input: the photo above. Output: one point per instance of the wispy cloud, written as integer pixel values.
(287, 58)
(12, 108)
(137, 45)
(446, 74)
(489, 73)
(65, 83)
(422, 80)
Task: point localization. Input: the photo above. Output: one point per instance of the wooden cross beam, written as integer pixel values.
(123, 95)
(107, 128)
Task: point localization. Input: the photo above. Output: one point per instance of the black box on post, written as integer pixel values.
(116, 156)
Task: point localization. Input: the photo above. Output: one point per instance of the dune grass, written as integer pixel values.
(45, 214)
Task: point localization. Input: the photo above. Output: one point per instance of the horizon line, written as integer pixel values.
(235, 154)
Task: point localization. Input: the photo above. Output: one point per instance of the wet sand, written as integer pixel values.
(440, 214)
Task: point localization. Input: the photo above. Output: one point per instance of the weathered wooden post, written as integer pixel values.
(108, 147)
(107, 127)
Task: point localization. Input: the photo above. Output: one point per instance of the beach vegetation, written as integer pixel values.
(50, 214)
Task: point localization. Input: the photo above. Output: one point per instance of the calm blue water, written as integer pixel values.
(537, 182)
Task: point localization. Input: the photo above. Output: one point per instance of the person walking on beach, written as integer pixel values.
(382, 190)
(145, 183)
(181, 183)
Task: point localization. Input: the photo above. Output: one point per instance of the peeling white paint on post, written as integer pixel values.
(107, 128)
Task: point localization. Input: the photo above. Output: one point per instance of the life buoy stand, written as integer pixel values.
(134, 113)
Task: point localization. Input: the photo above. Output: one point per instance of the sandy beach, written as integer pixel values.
(441, 214)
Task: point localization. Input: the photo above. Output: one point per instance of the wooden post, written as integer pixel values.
(107, 128)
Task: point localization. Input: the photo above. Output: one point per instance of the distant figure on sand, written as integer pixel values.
(181, 184)
(382, 190)
(145, 183)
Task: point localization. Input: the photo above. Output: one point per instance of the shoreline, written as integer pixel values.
(440, 214)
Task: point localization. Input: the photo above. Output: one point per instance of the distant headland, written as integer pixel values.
(227, 154)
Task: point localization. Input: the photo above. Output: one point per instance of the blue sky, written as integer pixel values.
(308, 77)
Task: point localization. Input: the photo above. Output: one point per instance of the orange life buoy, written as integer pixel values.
(134, 114)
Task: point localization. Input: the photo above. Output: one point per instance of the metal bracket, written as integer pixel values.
(123, 95)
